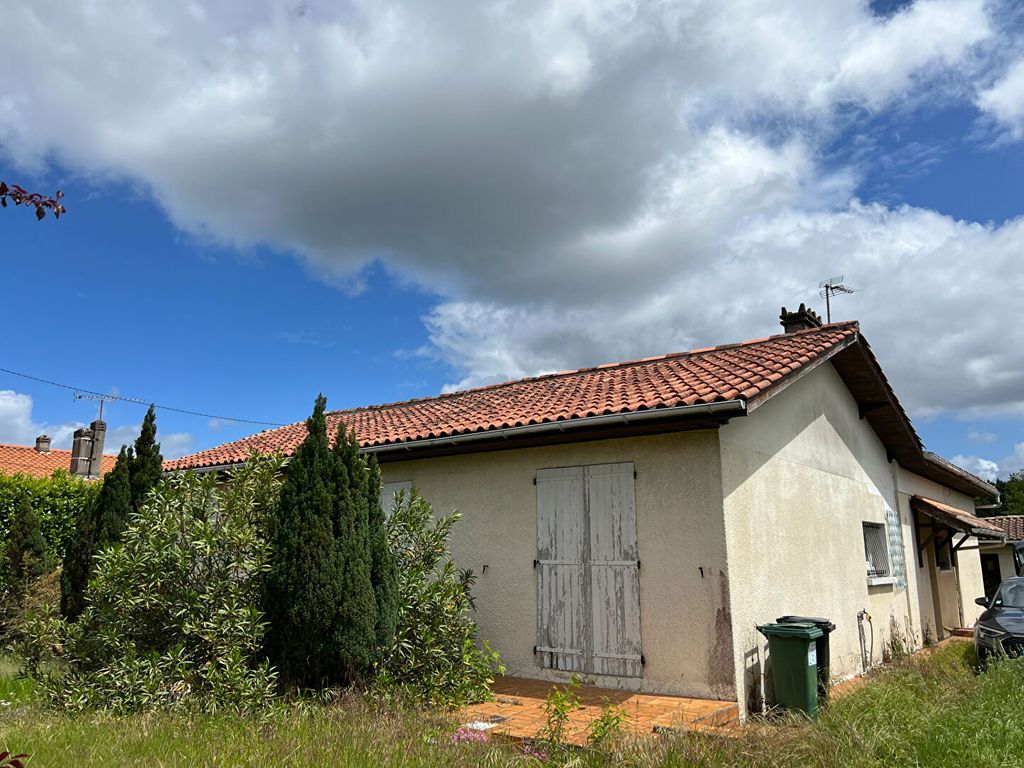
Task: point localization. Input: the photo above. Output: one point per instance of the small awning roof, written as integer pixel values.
(957, 519)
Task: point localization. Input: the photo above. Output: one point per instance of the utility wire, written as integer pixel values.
(139, 401)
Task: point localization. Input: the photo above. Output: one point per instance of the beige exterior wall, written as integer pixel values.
(684, 603)
(964, 581)
(800, 476)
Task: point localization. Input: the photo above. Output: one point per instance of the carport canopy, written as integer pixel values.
(946, 521)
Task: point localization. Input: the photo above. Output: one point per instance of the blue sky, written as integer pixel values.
(272, 200)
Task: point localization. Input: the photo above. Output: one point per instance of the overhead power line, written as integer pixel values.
(138, 401)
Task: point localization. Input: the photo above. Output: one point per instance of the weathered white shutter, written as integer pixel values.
(588, 579)
(387, 494)
(614, 566)
(562, 615)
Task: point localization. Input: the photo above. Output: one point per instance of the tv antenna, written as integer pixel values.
(102, 399)
(832, 287)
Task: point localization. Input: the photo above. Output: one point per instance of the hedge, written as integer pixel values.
(57, 500)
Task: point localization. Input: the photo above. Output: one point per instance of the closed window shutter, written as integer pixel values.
(614, 570)
(561, 585)
(588, 580)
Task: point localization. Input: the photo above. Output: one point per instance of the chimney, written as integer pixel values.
(87, 450)
(800, 320)
(43, 444)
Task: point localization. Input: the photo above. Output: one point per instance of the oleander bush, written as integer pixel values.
(172, 615)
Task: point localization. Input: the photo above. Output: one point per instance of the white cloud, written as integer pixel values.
(1004, 100)
(578, 181)
(991, 469)
(983, 468)
(18, 427)
(979, 436)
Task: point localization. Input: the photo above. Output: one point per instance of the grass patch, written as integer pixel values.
(934, 711)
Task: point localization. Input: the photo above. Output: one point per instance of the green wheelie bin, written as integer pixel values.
(794, 656)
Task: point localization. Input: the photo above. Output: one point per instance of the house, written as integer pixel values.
(634, 522)
(1001, 560)
(85, 459)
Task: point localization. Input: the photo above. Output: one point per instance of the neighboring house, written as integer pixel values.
(1001, 560)
(85, 459)
(634, 522)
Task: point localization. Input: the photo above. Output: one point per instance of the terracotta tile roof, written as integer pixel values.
(957, 518)
(1011, 525)
(26, 460)
(714, 374)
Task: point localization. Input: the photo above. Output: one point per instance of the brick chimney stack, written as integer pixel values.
(87, 450)
(43, 444)
(800, 320)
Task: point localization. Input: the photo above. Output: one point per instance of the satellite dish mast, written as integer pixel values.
(830, 288)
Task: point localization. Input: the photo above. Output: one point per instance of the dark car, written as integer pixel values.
(1001, 626)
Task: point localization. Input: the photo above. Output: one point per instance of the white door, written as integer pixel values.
(588, 581)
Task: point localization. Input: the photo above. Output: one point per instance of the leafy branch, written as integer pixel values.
(21, 196)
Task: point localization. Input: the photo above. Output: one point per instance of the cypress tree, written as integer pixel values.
(148, 465)
(26, 548)
(383, 571)
(319, 600)
(356, 623)
(99, 525)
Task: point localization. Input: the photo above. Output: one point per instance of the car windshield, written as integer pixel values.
(1011, 595)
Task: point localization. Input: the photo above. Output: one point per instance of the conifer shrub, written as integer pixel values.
(135, 474)
(436, 658)
(25, 556)
(172, 615)
(319, 596)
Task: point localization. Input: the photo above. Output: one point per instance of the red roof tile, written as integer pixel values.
(1012, 526)
(736, 371)
(957, 518)
(26, 460)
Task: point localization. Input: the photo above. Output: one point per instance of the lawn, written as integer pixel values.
(934, 711)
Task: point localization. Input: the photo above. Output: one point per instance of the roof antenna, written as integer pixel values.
(101, 398)
(829, 288)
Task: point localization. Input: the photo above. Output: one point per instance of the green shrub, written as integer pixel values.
(125, 489)
(25, 553)
(172, 613)
(435, 658)
(57, 500)
(319, 599)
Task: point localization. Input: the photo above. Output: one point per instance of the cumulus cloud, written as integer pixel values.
(1004, 100)
(577, 182)
(18, 427)
(983, 468)
(991, 469)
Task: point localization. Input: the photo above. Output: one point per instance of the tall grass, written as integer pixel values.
(931, 712)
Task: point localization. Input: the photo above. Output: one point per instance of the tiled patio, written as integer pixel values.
(517, 710)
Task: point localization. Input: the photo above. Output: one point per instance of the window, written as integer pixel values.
(876, 550)
(944, 554)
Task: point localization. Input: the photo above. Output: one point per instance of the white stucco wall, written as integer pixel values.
(800, 476)
(685, 622)
(967, 575)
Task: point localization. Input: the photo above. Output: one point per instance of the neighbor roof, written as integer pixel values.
(716, 374)
(1012, 525)
(744, 375)
(957, 518)
(26, 460)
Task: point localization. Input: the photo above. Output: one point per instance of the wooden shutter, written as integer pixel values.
(588, 570)
(614, 566)
(562, 615)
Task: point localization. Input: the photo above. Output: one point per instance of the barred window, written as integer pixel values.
(876, 550)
